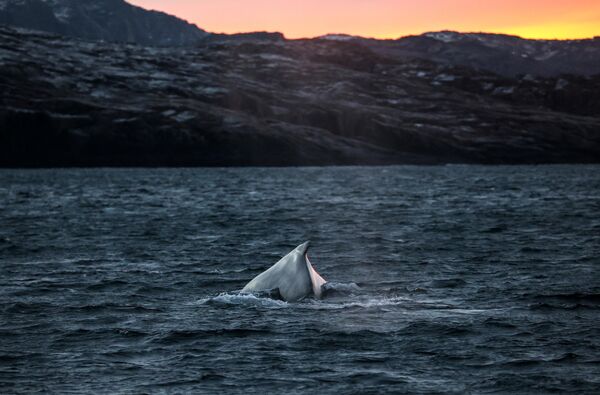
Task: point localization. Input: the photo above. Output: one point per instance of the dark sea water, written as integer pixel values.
(472, 280)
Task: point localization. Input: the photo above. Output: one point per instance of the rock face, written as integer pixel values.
(257, 101)
(108, 20)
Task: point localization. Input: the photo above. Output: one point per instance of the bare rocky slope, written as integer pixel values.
(263, 100)
(499, 53)
(108, 20)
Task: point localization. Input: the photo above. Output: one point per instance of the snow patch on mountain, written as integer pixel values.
(445, 36)
(337, 37)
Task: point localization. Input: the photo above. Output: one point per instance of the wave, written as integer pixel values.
(179, 336)
(570, 306)
(332, 288)
(108, 284)
(575, 297)
(346, 298)
(235, 299)
(364, 303)
(261, 300)
(28, 307)
(83, 334)
(564, 357)
(448, 283)
(566, 301)
(113, 307)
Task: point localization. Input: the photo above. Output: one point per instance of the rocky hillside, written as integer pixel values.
(119, 21)
(108, 20)
(502, 54)
(257, 101)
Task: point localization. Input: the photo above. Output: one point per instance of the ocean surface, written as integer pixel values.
(450, 280)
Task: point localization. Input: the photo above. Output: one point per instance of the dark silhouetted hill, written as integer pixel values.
(108, 20)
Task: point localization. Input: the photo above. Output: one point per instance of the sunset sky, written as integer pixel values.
(389, 18)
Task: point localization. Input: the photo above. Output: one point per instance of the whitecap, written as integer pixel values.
(243, 299)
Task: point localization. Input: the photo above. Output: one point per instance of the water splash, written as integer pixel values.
(234, 299)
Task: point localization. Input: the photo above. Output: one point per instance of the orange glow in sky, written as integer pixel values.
(389, 18)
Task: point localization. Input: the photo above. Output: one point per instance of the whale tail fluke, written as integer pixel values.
(293, 276)
(303, 248)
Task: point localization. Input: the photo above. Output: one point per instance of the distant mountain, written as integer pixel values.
(108, 20)
(263, 100)
(502, 54)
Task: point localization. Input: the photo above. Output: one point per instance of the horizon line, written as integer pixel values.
(392, 38)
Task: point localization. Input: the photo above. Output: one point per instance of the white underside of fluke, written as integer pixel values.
(316, 279)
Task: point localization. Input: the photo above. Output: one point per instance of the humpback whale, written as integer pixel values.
(293, 277)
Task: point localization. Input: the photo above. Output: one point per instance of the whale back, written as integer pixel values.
(290, 276)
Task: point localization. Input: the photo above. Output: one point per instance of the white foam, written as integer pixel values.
(243, 299)
(397, 303)
(363, 303)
